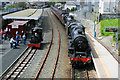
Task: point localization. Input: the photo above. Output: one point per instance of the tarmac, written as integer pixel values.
(8, 55)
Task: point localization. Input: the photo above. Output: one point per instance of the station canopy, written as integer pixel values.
(29, 14)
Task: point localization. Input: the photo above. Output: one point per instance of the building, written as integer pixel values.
(90, 5)
(70, 4)
(107, 6)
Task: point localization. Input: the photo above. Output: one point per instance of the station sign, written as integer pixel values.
(111, 29)
(15, 26)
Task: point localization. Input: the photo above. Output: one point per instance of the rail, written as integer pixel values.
(41, 66)
(28, 57)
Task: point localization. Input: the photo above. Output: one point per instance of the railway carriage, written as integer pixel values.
(61, 14)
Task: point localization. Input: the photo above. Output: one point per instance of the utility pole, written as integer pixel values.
(95, 28)
(110, 6)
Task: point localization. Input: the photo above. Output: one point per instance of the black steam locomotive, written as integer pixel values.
(36, 37)
(78, 48)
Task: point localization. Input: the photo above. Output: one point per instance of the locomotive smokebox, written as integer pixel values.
(80, 43)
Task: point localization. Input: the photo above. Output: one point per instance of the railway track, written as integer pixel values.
(48, 51)
(15, 71)
(86, 72)
(57, 51)
(15, 74)
(18, 67)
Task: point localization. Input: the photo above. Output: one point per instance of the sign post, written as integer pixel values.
(113, 29)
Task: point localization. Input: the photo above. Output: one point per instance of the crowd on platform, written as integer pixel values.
(14, 40)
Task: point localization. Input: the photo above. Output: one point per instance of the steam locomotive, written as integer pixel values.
(79, 50)
(36, 37)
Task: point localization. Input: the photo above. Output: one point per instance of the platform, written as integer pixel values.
(105, 64)
(8, 55)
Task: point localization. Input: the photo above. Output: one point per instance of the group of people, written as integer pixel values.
(19, 38)
(14, 40)
(3, 36)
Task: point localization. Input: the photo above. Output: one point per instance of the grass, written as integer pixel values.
(119, 50)
(119, 41)
(96, 10)
(109, 23)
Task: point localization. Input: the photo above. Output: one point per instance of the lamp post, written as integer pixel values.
(117, 38)
(95, 29)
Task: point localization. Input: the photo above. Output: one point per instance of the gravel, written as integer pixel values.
(49, 64)
(63, 69)
(63, 62)
(35, 63)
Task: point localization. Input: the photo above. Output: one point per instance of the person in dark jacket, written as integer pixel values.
(24, 39)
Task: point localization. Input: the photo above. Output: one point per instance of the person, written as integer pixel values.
(2, 32)
(5, 36)
(20, 38)
(24, 39)
(17, 39)
(11, 42)
(22, 33)
(1, 40)
(16, 32)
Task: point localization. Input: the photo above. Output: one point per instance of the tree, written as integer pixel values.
(10, 6)
(21, 5)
